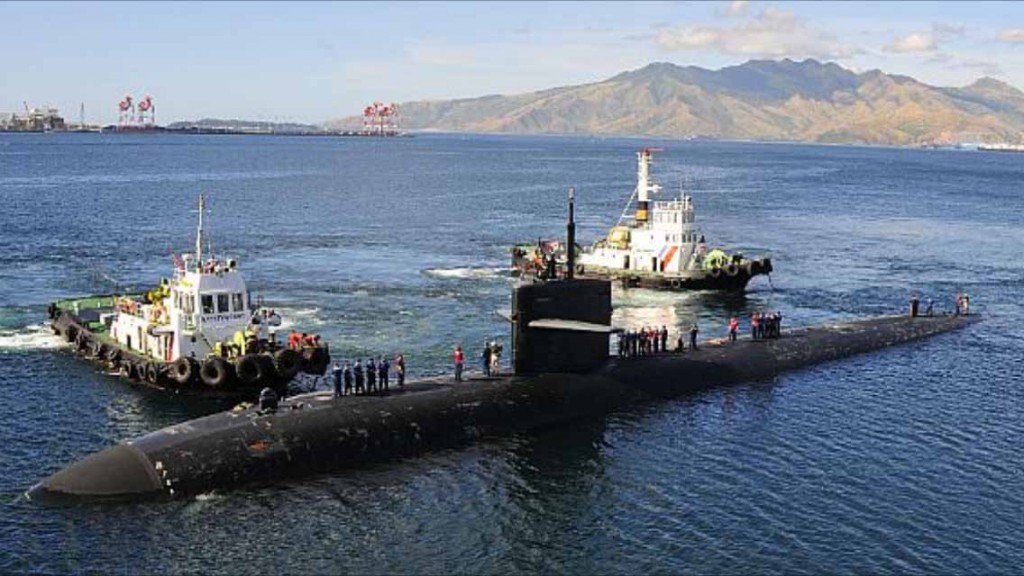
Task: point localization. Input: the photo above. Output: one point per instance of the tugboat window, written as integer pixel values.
(222, 303)
(237, 304)
(207, 303)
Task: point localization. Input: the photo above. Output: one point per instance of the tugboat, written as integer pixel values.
(197, 333)
(660, 247)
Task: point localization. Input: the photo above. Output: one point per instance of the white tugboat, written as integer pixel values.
(660, 246)
(196, 332)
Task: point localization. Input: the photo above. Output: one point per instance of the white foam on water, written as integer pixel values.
(466, 273)
(33, 337)
(291, 317)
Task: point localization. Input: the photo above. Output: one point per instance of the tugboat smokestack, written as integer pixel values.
(570, 260)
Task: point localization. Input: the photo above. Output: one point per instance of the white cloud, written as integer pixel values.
(736, 9)
(1011, 35)
(917, 42)
(773, 33)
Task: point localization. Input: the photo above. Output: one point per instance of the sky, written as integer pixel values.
(314, 61)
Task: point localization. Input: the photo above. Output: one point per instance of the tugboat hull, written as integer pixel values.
(734, 279)
(210, 378)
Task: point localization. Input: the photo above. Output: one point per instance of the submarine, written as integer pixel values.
(562, 370)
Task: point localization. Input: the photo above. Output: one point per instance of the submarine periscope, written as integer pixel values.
(562, 371)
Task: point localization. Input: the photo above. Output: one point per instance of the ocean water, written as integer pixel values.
(908, 460)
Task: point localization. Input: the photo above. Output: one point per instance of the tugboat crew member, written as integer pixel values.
(664, 338)
(693, 336)
(734, 326)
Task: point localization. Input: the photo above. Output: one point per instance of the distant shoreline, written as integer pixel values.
(198, 131)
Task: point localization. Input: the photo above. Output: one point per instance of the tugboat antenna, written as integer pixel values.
(199, 235)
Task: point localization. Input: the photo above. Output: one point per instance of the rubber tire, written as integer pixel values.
(267, 366)
(753, 268)
(732, 270)
(317, 360)
(249, 370)
(152, 373)
(182, 371)
(287, 364)
(715, 273)
(217, 373)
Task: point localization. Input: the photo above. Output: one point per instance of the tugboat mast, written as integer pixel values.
(199, 235)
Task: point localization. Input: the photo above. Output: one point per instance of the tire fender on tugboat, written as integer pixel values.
(216, 372)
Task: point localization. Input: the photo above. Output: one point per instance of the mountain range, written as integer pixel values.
(770, 100)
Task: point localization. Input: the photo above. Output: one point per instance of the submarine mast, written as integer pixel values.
(570, 228)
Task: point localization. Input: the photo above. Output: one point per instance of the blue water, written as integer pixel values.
(903, 461)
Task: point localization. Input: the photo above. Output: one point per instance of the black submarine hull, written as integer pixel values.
(317, 433)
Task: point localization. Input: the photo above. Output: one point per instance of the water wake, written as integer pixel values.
(467, 273)
(33, 337)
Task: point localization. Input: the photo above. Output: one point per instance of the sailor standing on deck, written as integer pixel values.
(400, 369)
(664, 338)
(485, 359)
(336, 373)
(693, 336)
(382, 371)
(371, 375)
(358, 370)
(734, 327)
(754, 326)
(346, 374)
(495, 358)
(459, 358)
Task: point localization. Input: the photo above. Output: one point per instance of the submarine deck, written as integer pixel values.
(316, 432)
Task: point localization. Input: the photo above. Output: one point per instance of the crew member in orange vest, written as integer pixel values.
(734, 327)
